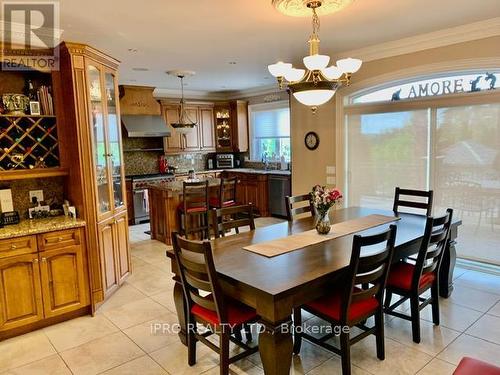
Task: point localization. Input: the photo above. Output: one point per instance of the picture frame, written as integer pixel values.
(35, 108)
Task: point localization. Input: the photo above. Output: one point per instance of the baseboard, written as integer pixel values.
(479, 266)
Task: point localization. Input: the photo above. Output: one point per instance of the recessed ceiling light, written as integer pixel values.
(132, 50)
(140, 69)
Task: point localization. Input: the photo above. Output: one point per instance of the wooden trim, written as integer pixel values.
(22, 174)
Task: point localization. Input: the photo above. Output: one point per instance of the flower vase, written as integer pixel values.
(323, 225)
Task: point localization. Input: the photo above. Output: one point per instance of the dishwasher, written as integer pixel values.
(279, 187)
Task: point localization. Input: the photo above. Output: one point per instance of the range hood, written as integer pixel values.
(145, 126)
(141, 113)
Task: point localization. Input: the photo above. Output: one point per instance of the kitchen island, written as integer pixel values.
(164, 200)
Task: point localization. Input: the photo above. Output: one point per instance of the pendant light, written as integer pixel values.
(184, 125)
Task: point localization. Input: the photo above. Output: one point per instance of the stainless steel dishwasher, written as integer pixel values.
(279, 187)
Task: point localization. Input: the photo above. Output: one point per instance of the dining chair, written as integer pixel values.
(347, 305)
(193, 212)
(295, 205)
(410, 280)
(415, 203)
(226, 196)
(235, 217)
(208, 306)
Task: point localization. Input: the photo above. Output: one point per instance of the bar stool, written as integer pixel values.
(227, 193)
(193, 212)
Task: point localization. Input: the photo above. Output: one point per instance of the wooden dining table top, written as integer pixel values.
(281, 274)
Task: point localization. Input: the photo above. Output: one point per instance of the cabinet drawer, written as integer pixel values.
(17, 246)
(57, 240)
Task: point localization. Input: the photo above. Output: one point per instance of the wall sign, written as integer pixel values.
(459, 83)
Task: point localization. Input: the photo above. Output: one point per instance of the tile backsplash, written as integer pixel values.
(53, 188)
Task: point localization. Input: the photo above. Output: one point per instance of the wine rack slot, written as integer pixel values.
(28, 142)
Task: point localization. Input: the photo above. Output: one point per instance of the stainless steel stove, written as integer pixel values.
(140, 194)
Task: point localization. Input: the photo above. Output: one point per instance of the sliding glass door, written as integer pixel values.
(452, 149)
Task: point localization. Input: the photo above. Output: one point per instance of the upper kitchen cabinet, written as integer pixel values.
(231, 126)
(201, 138)
(94, 143)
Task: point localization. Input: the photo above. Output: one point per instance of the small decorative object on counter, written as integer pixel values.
(323, 199)
(15, 104)
(9, 218)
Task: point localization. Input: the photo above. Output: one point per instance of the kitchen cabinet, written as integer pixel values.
(46, 279)
(201, 138)
(20, 291)
(231, 126)
(252, 188)
(113, 242)
(97, 183)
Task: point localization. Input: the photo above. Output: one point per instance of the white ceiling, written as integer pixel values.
(206, 35)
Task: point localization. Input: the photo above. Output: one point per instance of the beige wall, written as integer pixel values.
(309, 167)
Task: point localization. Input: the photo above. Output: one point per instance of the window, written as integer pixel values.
(270, 131)
(450, 145)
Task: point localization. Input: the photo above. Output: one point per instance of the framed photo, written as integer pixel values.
(35, 108)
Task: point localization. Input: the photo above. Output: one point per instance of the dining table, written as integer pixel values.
(275, 285)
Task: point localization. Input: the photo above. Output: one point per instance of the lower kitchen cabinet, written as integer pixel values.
(64, 286)
(20, 291)
(115, 253)
(48, 280)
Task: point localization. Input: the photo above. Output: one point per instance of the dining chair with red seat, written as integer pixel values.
(226, 196)
(410, 280)
(193, 212)
(401, 199)
(472, 366)
(348, 305)
(207, 305)
(234, 217)
(298, 204)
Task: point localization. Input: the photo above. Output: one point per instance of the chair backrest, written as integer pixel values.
(195, 195)
(371, 270)
(198, 275)
(430, 254)
(405, 202)
(295, 205)
(227, 190)
(227, 218)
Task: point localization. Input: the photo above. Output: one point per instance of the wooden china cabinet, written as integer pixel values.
(98, 183)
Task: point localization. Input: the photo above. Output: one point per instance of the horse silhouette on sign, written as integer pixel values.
(492, 79)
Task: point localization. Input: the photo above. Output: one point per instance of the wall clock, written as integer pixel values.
(311, 140)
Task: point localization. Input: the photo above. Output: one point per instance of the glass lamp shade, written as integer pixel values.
(294, 74)
(332, 72)
(279, 69)
(316, 62)
(349, 65)
(183, 128)
(314, 98)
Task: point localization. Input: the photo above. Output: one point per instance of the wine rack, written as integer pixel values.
(28, 142)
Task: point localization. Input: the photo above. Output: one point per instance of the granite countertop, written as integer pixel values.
(260, 171)
(35, 226)
(176, 186)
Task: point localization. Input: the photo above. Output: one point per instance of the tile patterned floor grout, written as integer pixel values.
(134, 349)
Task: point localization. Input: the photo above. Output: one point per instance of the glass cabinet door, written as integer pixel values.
(114, 139)
(99, 139)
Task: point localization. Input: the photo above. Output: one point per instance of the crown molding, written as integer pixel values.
(160, 93)
(459, 34)
(255, 91)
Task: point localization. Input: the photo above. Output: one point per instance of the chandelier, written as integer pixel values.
(318, 83)
(184, 125)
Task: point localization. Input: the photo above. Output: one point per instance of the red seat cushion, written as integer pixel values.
(330, 305)
(215, 202)
(401, 274)
(180, 207)
(471, 366)
(237, 313)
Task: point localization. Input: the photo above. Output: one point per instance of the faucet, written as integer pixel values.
(265, 161)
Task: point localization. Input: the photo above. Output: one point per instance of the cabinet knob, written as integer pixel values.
(44, 259)
(35, 260)
(13, 247)
(59, 239)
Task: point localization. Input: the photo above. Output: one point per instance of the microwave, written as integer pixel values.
(224, 161)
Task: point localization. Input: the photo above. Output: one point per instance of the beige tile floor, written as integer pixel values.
(119, 339)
